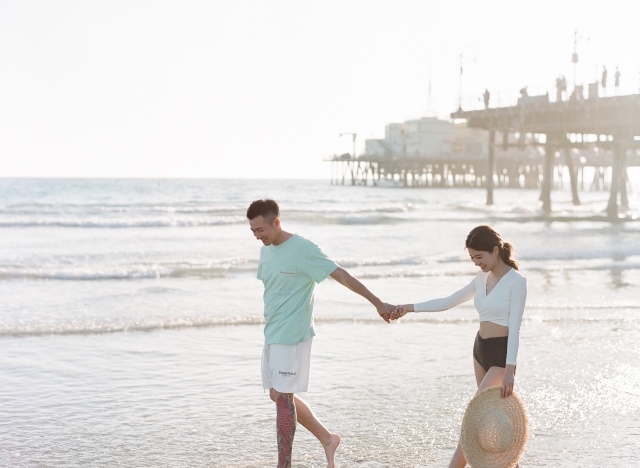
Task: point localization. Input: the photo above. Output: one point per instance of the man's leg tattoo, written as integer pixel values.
(286, 427)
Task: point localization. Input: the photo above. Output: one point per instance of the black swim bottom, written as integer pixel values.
(490, 352)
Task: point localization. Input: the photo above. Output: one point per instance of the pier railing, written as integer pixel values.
(508, 97)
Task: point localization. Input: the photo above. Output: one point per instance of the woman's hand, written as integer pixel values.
(508, 381)
(400, 311)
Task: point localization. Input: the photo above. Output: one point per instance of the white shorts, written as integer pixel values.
(285, 368)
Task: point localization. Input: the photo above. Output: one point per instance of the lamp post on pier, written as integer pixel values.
(574, 56)
(462, 55)
(354, 142)
(352, 163)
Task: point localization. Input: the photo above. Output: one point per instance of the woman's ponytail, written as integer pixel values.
(506, 252)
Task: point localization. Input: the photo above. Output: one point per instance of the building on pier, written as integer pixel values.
(425, 137)
(431, 152)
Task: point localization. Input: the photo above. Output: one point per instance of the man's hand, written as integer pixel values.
(385, 310)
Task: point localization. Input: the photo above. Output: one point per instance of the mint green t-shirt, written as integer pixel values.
(289, 272)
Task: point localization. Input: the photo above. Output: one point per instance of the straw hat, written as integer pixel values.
(494, 430)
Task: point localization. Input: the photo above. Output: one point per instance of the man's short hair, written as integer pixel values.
(266, 208)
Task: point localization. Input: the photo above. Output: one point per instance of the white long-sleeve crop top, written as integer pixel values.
(504, 305)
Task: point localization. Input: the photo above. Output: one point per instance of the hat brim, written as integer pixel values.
(484, 402)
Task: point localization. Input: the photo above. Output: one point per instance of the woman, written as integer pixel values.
(499, 292)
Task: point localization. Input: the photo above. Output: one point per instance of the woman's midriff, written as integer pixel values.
(492, 330)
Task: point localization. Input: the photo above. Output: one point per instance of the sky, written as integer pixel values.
(262, 89)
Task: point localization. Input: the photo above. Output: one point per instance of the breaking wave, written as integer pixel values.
(104, 268)
(155, 324)
(127, 271)
(192, 214)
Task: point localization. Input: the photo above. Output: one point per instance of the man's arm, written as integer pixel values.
(343, 277)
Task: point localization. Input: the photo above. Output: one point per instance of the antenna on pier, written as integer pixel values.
(574, 56)
(430, 108)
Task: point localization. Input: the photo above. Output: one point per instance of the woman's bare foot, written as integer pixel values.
(330, 450)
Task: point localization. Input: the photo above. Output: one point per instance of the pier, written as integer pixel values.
(534, 144)
(608, 127)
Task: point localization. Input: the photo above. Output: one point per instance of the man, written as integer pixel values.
(289, 267)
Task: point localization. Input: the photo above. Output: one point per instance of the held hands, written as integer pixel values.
(385, 310)
(390, 312)
(399, 311)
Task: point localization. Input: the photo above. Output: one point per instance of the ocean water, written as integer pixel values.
(131, 324)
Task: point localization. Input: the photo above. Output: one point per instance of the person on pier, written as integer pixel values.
(499, 292)
(561, 87)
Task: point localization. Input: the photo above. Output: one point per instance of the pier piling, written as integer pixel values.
(490, 166)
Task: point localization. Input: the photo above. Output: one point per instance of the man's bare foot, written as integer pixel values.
(330, 450)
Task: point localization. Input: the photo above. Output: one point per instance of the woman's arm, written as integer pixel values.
(438, 305)
(516, 310)
(517, 302)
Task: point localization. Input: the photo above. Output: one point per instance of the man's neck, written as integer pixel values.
(282, 237)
